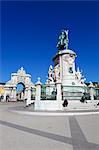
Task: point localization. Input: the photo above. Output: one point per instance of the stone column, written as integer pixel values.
(92, 93)
(91, 90)
(26, 91)
(61, 69)
(59, 94)
(5, 93)
(28, 101)
(14, 93)
(38, 94)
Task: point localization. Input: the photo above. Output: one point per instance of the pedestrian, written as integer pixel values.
(65, 103)
(98, 104)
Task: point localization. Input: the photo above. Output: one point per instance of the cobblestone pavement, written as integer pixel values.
(28, 132)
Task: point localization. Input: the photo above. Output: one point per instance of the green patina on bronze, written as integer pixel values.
(63, 40)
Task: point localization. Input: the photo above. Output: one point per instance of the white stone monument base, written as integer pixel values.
(49, 105)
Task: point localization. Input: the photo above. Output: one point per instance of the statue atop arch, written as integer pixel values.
(63, 40)
(21, 71)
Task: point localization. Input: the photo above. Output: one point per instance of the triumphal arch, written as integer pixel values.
(21, 77)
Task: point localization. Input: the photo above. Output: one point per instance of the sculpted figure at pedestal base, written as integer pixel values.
(57, 73)
(50, 75)
(79, 77)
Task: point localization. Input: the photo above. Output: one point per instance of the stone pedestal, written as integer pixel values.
(92, 93)
(59, 94)
(5, 93)
(91, 90)
(14, 93)
(38, 94)
(28, 102)
(26, 93)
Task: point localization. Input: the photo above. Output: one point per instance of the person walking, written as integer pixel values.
(65, 103)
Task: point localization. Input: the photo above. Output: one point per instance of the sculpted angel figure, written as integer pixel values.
(56, 73)
(50, 73)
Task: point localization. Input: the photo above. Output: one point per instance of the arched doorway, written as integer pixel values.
(20, 91)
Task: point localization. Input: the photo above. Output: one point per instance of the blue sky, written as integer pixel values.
(29, 34)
